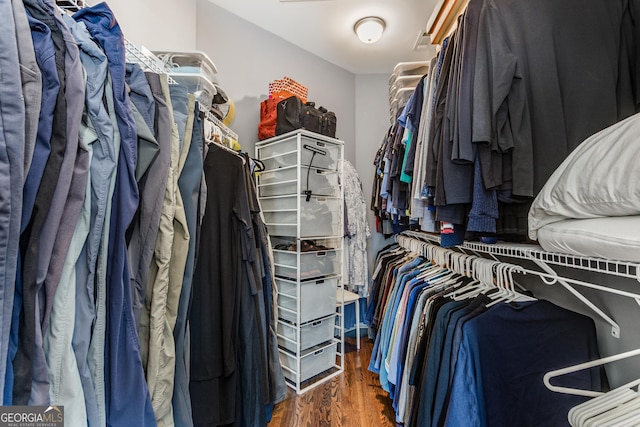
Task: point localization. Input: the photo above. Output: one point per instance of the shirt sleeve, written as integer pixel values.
(495, 69)
(465, 408)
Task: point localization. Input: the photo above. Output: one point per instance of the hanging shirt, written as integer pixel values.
(503, 356)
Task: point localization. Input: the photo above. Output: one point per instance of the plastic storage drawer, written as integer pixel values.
(312, 362)
(311, 334)
(201, 88)
(319, 217)
(312, 264)
(193, 62)
(285, 153)
(317, 299)
(279, 182)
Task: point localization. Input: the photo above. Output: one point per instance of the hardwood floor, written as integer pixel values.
(353, 399)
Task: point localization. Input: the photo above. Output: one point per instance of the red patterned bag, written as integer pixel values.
(268, 118)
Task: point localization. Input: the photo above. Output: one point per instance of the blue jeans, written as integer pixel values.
(144, 228)
(64, 210)
(127, 396)
(189, 184)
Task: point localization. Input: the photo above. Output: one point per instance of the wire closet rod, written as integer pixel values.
(548, 275)
(209, 116)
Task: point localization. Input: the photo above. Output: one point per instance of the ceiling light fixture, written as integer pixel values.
(369, 29)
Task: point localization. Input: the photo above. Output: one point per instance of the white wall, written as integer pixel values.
(372, 123)
(157, 24)
(248, 58)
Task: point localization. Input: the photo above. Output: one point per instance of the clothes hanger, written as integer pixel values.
(517, 296)
(586, 365)
(431, 272)
(503, 293)
(475, 286)
(612, 417)
(482, 283)
(632, 419)
(631, 415)
(606, 406)
(259, 165)
(579, 414)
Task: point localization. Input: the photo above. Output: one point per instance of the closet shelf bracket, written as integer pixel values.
(551, 277)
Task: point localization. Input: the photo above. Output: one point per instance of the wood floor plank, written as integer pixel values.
(353, 399)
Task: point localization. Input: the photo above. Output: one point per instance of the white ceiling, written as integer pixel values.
(325, 28)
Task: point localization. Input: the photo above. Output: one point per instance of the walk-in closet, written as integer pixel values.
(289, 213)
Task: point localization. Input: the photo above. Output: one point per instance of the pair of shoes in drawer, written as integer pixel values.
(306, 246)
(309, 246)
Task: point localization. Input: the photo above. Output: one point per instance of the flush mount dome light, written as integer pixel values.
(369, 29)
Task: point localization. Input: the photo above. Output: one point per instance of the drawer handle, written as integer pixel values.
(318, 323)
(318, 352)
(318, 282)
(321, 254)
(314, 149)
(320, 144)
(319, 172)
(321, 199)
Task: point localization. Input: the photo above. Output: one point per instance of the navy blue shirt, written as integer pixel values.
(503, 357)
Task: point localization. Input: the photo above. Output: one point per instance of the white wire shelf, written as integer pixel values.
(224, 128)
(625, 269)
(138, 55)
(422, 243)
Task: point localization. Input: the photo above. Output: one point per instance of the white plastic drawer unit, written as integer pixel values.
(313, 152)
(317, 299)
(284, 181)
(311, 334)
(312, 264)
(319, 217)
(313, 361)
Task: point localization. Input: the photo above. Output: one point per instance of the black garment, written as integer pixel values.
(413, 116)
(228, 364)
(29, 239)
(385, 288)
(253, 349)
(440, 368)
(457, 173)
(532, 93)
(449, 357)
(454, 180)
(214, 315)
(398, 189)
(419, 368)
(433, 359)
(463, 149)
(435, 131)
